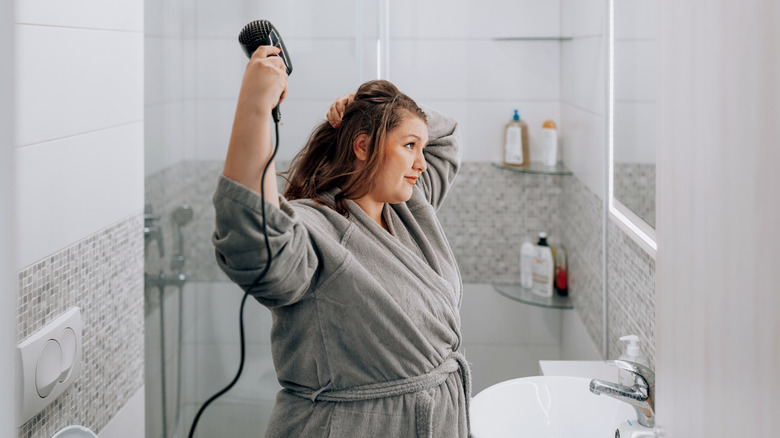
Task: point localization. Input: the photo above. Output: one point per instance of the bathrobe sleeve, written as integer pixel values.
(241, 250)
(442, 154)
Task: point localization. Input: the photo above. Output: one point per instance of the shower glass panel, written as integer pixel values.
(193, 71)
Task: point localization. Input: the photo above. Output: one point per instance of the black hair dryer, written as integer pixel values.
(263, 33)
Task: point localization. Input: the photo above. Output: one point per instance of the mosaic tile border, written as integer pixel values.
(583, 213)
(631, 280)
(635, 188)
(103, 275)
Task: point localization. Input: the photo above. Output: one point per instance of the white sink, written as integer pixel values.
(549, 407)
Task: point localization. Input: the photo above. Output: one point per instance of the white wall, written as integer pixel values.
(168, 83)
(635, 81)
(442, 53)
(79, 140)
(78, 147)
(505, 339)
(583, 90)
(327, 63)
(8, 295)
(718, 213)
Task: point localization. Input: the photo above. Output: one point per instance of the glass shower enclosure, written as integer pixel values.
(193, 71)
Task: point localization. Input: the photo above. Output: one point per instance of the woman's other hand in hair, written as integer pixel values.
(265, 81)
(336, 111)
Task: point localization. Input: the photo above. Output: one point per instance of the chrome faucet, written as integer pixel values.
(641, 395)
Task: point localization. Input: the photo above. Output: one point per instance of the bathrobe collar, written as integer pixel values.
(426, 268)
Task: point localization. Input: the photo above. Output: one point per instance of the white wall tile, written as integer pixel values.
(164, 136)
(321, 69)
(69, 188)
(8, 272)
(189, 74)
(581, 18)
(129, 421)
(114, 15)
(470, 19)
(239, 416)
(154, 70)
(635, 70)
(584, 146)
(446, 69)
(154, 139)
(218, 303)
(636, 18)
(174, 56)
(213, 127)
(583, 73)
(292, 18)
(482, 124)
(217, 364)
(635, 132)
(576, 343)
(488, 318)
(166, 69)
(495, 364)
(219, 67)
(325, 69)
(88, 80)
(154, 18)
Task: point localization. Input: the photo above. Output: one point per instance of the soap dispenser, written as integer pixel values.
(516, 142)
(632, 354)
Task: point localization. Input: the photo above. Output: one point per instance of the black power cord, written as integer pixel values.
(246, 294)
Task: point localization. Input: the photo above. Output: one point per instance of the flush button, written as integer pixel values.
(48, 368)
(68, 344)
(49, 361)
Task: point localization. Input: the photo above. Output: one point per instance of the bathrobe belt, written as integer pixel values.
(417, 384)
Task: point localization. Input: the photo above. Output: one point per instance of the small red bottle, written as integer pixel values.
(561, 281)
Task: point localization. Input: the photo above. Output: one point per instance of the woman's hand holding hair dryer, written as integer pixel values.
(265, 81)
(264, 86)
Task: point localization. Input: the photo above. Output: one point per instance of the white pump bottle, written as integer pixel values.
(632, 354)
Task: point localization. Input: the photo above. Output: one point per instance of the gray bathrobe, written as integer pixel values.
(366, 323)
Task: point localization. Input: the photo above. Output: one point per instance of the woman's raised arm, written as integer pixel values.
(264, 86)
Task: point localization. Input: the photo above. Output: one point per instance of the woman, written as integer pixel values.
(363, 287)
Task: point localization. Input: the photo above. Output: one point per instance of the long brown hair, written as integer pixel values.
(328, 160)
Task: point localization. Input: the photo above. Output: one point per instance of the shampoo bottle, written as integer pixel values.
(543, 268)
(550, 143)
(516, 142)
(634, 355)
(527, 252)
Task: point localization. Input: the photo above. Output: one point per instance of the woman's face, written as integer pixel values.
(403, 161)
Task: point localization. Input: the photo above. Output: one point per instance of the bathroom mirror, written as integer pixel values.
(632, 114)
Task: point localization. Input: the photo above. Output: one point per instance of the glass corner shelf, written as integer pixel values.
(537, 168)
(524, 295)
(534, 38)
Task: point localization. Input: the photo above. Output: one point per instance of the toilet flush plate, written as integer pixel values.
(47, 363)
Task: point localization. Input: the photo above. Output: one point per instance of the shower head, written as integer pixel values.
(182, 215)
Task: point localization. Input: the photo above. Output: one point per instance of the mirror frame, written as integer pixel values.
(634, 226)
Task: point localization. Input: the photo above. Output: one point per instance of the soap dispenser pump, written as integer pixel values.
(632, 354)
